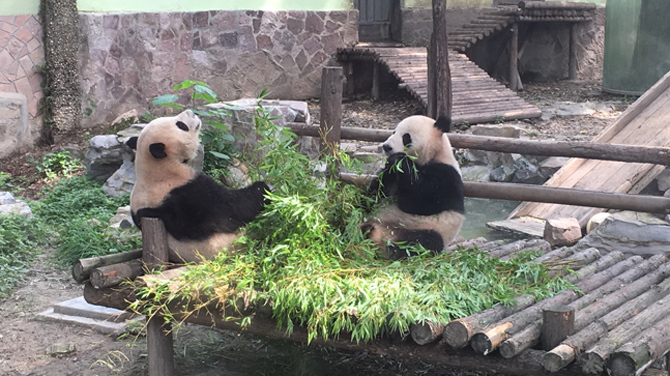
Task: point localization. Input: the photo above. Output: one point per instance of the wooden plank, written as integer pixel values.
(643, 123)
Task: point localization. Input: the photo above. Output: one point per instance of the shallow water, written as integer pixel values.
(479, 211)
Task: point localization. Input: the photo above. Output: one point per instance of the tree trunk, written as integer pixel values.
(330, 128)
(81, 270)
(439, 75)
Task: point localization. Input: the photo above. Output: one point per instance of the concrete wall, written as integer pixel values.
(128, 59)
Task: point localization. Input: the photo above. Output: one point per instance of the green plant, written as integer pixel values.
(217, 141)
(79, 211)
(306, 255)
(499, 119)
(20, 240)
(58, 164)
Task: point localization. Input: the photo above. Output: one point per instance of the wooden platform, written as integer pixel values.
(477, 97)
(645, 122)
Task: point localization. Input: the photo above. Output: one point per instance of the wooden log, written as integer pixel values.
(531, 335)
(112, 275)
(81, 270)
(159, 333)
(458, 332)
(611, 263)
(427, 332)
(118, 297)
(572, 61)
(633, 357)
(567, 351)
(485, 342)
(593, 360)
(567, 196)
(331, 107)
(376, 79)
(557, 324)
(540, 246)
(594, 150)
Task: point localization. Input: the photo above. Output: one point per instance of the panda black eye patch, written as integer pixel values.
(182, 126)
(406, 139)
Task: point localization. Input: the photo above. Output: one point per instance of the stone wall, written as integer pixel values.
(21, 51)
(545, 56)
(127, 59)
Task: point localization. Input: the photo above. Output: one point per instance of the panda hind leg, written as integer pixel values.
(429, 239)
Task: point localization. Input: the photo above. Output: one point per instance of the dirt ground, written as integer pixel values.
(205, 351)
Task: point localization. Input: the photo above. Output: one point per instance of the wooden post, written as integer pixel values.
(159, 338)
(514, 58)
(351, 83)
(572, 65)
(376, 72)
(331, 107)
(439, 75)
(557, 324)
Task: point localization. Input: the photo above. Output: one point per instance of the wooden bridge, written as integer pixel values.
(477, 97)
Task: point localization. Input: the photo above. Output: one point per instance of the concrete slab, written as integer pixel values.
(101, 319)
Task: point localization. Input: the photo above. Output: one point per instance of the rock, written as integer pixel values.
(75, 151)
(105, 156)
(10, 205)
(663, 180)
(493, 158)
(549, 166)
(132, 131)
(501, 174)
(237, 175)
(122, 181)
(60, 350)
(525, 172)
(632, 237)
(562, 231)
(132, 114)
(475, 173)
(122, 219)
(14, 119)
(596, 220)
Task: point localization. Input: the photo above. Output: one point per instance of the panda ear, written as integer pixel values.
(158, 150)
(443, 123)
(132, 143)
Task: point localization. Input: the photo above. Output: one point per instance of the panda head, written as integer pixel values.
(168, 140)
(423, 138)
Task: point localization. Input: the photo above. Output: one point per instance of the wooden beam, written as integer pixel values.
(81, 270)
(567, 196)
(592, 150)
(439, 75)
(159, 336)
(514, 58)
(331, 106)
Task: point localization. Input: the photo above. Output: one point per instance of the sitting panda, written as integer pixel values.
(424, 179)
(201, 216)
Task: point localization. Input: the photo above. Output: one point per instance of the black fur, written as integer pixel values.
(429, 239)
(443, 123)
(181, 125)
(421, 189)
(157, 150)
(132, 143)
(202, 207)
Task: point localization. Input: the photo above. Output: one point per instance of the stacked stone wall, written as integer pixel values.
(21, 52)
(127, 59)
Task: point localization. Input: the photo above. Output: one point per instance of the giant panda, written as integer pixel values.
(201, 216)
(421, 189)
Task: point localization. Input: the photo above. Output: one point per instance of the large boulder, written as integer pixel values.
(10, 205)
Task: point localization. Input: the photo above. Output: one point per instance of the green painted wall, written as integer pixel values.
(196, 5)
(476, 3)
(14, 7)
